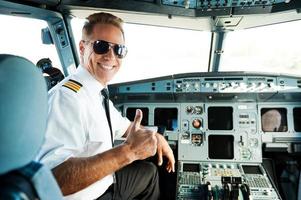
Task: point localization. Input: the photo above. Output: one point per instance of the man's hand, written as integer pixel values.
(142, 142)
(165, 150)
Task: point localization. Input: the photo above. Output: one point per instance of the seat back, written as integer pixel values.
(23, 115)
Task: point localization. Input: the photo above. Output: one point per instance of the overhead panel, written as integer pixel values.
(207, 4)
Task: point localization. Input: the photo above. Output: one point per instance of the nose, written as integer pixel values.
(110, 53)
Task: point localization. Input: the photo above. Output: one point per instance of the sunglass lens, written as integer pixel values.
(120, 50)
(101, 47)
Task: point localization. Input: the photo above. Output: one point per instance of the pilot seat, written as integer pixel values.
(23, 114)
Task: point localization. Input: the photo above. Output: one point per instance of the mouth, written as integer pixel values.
(106, 67)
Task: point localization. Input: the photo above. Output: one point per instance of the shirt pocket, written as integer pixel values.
(99, 137)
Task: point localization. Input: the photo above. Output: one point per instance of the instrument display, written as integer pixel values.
(218, 124)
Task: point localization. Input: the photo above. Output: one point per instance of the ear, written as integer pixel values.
(81, 47)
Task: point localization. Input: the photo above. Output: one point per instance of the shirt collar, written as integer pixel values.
(88, 80)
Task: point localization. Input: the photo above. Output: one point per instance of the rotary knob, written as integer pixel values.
(189, 109)
(197, 123)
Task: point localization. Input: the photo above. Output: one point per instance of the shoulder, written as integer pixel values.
(73, 85)
(69, 89)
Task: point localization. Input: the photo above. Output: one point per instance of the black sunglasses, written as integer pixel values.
(103, 47)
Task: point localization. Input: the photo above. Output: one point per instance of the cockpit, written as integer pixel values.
(219, 79)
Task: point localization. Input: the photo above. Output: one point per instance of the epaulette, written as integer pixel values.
(73, 85)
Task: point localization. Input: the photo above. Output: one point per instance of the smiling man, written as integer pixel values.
(82, 125)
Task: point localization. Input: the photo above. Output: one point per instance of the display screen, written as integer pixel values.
(221, 146)
(297, 119)
(166, 117)
(190, 167)
(131, 112)
(251, 169)
(220, 118)
(274, 119)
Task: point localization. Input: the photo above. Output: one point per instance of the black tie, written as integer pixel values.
(105, 94)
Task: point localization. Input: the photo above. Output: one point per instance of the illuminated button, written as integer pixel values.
(196, 123)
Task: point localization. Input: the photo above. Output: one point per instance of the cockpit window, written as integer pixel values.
(274, 48)
(158, 51)
(22, 37)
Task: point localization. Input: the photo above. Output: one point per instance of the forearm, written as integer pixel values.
(77, 173)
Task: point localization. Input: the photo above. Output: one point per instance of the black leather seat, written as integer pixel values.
(23, 114)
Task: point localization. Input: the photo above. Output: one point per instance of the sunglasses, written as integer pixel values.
(103, 47)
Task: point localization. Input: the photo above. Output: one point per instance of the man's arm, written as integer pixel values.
(77, 173)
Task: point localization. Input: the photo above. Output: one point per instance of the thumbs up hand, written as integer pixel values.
(142, 142)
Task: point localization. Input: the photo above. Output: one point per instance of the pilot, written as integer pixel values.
(81, 126)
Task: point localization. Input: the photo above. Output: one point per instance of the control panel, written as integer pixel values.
(218, 124)
(228, 83)
(220, 3)
(204, 127)
(205, 180)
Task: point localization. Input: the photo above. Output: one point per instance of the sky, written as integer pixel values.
(157, 51)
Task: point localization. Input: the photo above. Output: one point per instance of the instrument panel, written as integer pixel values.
(219, 123)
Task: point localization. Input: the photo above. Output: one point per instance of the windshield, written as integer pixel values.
(274, 48)
(25, 39)
(159, 51)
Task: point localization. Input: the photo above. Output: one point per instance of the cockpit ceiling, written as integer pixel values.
(197, 23)
(203, 15)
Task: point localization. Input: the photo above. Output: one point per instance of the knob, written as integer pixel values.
(198, 110)
(189, 109)
(196, 123)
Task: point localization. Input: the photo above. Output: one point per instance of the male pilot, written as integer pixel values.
(81, 127)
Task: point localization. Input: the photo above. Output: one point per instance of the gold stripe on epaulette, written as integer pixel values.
(73, 85)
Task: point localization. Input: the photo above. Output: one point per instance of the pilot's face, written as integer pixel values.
(104, 66)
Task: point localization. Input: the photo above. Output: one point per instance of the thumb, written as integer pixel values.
(138, 118)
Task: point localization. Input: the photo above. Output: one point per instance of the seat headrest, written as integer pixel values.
(23, 111)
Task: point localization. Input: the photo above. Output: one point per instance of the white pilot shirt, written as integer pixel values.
(77, 127)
